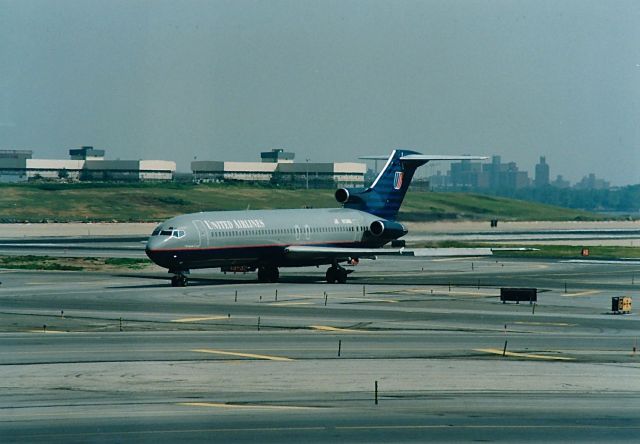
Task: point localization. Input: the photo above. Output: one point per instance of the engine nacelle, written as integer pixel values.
(387, 230)
(342, 195)
(348, 195)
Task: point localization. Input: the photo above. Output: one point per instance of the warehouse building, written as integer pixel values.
(278, 168)
(85, 163)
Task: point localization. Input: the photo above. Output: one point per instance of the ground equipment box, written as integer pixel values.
(518, 294)
(621, 304)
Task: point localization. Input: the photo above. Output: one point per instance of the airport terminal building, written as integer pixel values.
(277, 167)
(85, 163)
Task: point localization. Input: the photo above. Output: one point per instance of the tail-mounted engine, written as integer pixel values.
(349, 195)
(385, 229)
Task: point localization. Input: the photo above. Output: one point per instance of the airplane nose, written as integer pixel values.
(156, 253)
(152, 243)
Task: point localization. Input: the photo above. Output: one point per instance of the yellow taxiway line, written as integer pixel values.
(241, 355)
(553, 324)
(335, 329)
(582, 293)
(390, 301)
(224, 405)
(285, 304)
(203, 318)
(495, 351)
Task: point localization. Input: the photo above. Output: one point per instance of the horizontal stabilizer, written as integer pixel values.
(426, 157)
(434, 157)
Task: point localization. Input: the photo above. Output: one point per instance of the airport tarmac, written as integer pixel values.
(127, 358)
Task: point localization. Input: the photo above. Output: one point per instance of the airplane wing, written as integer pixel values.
(303, 251)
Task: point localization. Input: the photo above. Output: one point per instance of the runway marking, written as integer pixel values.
(285, 304)
(46, 331)
(484, 426)
(470, 293)
(582, 293)
(496, 351)
(210, 430)
(435, 291)
(241, 355)
(391, 301)
(454, 259)
(335, 329)
(555, 324)
(204, 318)
(244, 406)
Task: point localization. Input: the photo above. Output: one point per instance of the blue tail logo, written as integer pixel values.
(397, 180)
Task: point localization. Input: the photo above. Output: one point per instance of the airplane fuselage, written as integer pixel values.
(268, 239)
(254, 238)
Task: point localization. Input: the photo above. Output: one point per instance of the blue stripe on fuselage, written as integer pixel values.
(252, 255)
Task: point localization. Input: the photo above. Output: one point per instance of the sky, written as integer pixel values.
(328, 80)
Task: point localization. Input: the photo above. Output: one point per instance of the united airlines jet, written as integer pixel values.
(265, 240)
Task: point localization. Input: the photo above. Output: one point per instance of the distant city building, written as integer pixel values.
(439, 180)
(476, 175)
(590, 182)
(468, 174)
(560, 182)
(277, 167)
(542, 173)
(86, 163)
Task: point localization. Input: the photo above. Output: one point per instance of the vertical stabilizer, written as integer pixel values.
(384, 197)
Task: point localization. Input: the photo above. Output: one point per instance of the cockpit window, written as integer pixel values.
(173, 233)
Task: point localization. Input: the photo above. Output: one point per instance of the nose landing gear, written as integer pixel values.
(179, 279)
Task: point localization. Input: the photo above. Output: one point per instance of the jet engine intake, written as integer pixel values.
(387, 230)
(347, 195)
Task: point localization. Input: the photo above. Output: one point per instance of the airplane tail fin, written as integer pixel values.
(384, 197)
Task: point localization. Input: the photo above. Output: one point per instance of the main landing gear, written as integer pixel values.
(268, 273)
(179, 279)
(338, 274)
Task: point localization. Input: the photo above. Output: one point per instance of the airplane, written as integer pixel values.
(265, 240)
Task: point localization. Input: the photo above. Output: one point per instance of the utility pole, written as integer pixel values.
(307, 175)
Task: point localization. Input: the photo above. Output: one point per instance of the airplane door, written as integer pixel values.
(307, 232)
(203, 239)
(296, 229)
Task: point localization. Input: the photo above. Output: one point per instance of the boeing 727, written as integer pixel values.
(265, 240)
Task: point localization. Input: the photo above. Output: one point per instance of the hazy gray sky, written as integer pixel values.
(326, 79)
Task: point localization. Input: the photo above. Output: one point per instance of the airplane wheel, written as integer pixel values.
(331, 275)
(342, 276)
(179, 281)
(268, 274)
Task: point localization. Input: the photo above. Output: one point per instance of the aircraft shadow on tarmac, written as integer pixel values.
(202, 281)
